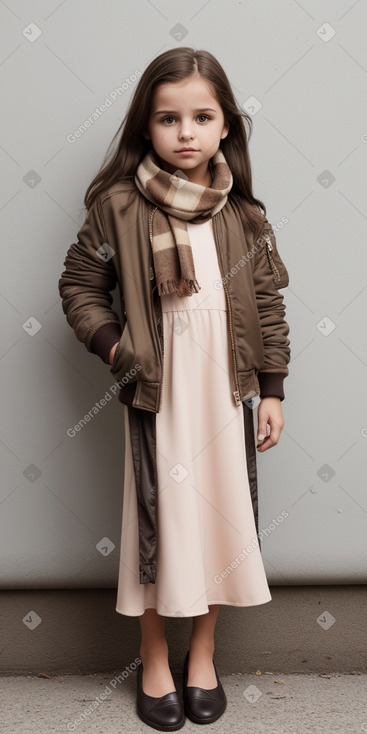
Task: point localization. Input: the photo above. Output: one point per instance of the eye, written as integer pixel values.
(169, 118)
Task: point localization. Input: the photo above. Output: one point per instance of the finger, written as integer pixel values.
(270, 440)
(265, 444)
(263, 429)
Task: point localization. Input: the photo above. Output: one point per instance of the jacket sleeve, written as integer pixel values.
(85, 286)
(270, 274)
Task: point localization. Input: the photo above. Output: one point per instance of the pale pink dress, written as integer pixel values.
(205, 514)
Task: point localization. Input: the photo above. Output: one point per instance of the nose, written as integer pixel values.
(186, 132)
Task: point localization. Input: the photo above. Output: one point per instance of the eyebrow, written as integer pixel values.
(174, 112)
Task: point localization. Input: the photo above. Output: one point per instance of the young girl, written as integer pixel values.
(173, 220)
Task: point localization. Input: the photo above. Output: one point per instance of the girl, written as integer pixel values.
(173, 220)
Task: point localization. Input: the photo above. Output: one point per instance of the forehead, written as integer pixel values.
(185, 94)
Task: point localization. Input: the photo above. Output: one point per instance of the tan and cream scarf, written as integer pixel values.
(178, 201)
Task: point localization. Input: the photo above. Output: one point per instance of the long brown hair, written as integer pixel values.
(171, 66)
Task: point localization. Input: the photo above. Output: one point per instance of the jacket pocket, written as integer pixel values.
(116, 355)
(122, 353)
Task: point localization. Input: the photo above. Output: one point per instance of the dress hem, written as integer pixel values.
(196, 614)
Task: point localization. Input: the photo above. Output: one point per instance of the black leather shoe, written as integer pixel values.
(165, 713)
(203, 706)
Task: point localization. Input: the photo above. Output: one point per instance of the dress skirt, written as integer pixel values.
(207, 551)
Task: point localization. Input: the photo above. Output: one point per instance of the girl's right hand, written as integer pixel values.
(112, 353)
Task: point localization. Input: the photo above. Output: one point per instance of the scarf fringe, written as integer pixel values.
(186, 287)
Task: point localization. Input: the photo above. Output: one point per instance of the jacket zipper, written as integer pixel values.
(236, 392)
(269, 249)
(160, 332)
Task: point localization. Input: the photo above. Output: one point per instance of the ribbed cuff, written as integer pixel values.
(104, 339)
(271, 384)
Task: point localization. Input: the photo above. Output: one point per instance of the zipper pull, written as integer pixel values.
(237, 398)
(268, 242)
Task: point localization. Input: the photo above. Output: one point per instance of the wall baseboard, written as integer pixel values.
(318, 629)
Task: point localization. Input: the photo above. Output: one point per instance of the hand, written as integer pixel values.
(270, 423)
(112, 353)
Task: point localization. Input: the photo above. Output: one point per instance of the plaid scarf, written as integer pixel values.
(178, 200)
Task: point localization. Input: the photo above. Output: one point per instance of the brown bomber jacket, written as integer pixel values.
(252, 274)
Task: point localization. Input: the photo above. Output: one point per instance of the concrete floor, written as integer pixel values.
(257, 704)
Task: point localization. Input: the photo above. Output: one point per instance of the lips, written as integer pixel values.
(182, 150)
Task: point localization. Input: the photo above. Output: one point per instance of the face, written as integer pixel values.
(186, 115)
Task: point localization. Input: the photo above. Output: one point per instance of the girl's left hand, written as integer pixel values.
(270, 423)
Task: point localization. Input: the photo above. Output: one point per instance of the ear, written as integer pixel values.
(225, 132)
(146, 136)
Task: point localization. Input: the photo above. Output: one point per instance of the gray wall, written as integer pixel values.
(62, 495)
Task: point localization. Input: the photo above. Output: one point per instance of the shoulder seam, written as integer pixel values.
(127, 188)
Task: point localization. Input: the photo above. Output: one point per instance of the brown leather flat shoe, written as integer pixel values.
(165, 713)
(203, 706)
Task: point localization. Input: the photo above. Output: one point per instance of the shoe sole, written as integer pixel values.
(174, 727)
